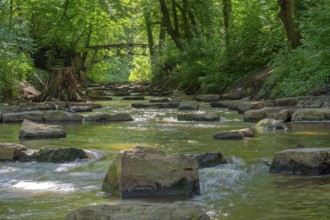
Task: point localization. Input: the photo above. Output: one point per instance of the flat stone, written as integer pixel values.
(229, 135)
(144, 105)
(207, 98)
(10, 151)
(322, 114)
(148, 172)
(109, 118)
(86, 108)
(20, 116)
(198, 117)
(259, 114)
(169, 105)
(140, 211)
(309, 161)
(188, 105)
(134, 98)
(159, 100)
(31, 130)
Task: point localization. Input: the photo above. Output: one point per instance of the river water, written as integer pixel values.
(243, 189)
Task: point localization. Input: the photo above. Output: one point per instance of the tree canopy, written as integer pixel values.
(194, 45)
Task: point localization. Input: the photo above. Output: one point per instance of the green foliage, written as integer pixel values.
(141, 69)
(305, 69)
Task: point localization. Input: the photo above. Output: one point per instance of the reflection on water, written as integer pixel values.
(242, 189)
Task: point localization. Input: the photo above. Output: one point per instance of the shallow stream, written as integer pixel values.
(241, 190)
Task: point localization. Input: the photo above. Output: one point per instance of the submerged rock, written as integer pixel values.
(140, 211)
(310, 161)
(198, 117)
(270, 124)
(10, 151)
(31, 130)
(148, 172)
(60, 155)
(209, 159)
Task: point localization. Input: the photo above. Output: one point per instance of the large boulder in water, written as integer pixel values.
(10, 151)
(148, 172)
(60, 155)
(140, 211)
(31, 130)
(311, 161)
(259, 114)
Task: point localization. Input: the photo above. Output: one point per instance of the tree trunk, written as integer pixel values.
(62, 85)
(286, 15)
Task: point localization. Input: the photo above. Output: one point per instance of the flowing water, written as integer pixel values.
(243, 189)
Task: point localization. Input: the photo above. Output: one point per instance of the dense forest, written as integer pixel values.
(199, 46)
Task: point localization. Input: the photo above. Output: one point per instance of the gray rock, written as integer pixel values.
(144, 105)
(31, 130)
(198, 117)
(247, 132)
(246, 106)
(140, 211)
(92, 105)
(259, 114)
(229, 135)
(310, 161)
(188, 105)
(209, 159)
(60, 155)
(10, 151)
(147, 172)
(108, 117)
(20, 116)
(270, 124)
(62, 116)
(82, 108)
(207, 98)
(322, 114)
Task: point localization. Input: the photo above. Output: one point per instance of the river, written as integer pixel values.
(243, 189)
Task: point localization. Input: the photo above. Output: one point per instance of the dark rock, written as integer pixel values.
(292, 101)
(108, 117)
(28, 156)
(209, 159)
(310, 161)
(144, 105)
(140, 211)
(101, 98)
(198, 117)
(259, 114)
(188, 105)
(247, 132)
(30, 130)
(229, 135)
(11, 151)
(60, 155)
(147, 172)
(134, 98)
